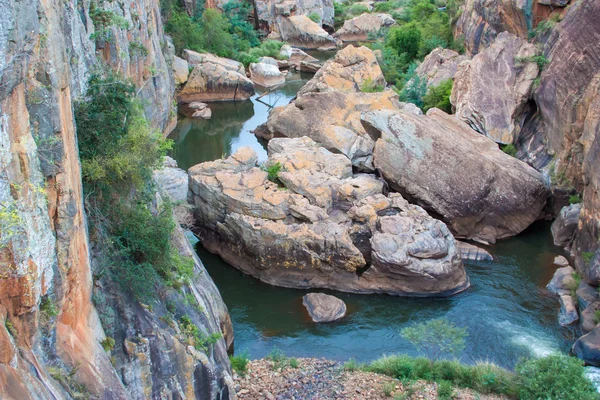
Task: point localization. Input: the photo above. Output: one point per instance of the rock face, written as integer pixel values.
(47, 56)
(359, 28)
(324, 308)
(332, 119)
(271, 13)
(215, 79)
(266, 73)
(587, 348)
(439, 65)
(491, 91)
(493, 197)
(346, 72)
(301, 31)
(180, 70)
(563, 228)
(325, 227)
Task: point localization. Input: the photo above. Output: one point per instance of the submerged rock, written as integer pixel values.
(323, 227)
(561, 261)
(359, 28)
(482, 193)
(491, 91)
(563, 228)
(324, 308)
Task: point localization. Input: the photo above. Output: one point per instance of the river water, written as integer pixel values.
(507, 311)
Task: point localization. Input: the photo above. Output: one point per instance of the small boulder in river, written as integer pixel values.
(469, 251)
(201, 110)
(446, 167)
(266, 73)
(323, 307)
(568, 310)
(562, 281)
(587, 347)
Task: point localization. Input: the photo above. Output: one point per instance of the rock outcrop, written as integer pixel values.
(439, 65)
(359, 28)
(491, 91)
(564, 227)
(215, 79)
(324, 308)
(45, 263)
(324, 228)
(347, 72)
(266, 73)
(271, 13)
(301, 31)
(181, 70)
(492, 197)
(587, 348)
(295, 56)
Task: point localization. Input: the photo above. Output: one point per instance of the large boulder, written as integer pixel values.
(359, 28)
(320, 230)
(444, 166)
(568, 310)
(563, 228)
(194, 58)
(351, 68)
(271, 13)
(323, 307)
(439, 65)
(301, 31)
(211, 82)
(491, 91)
(562, 282)
(587, 347)
(180, 70)
(266, 73)
(333, 120)
(295, 56)
(469, 251)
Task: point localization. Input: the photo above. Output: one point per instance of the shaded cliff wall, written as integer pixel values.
(46, 56)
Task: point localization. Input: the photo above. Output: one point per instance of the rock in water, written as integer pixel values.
(471, 252)
(301, 31)
(324, 308)
(482, 193)
(587, 347)
(266, 73)
(563, 228)
(359, 28)
(568, 310)
(562, 281)
(490, 91)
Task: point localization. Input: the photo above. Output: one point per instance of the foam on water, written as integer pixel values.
(537, 342)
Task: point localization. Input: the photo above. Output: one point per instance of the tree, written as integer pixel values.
(439, 97)
(436, 338)
(405, 39)
(215, 29)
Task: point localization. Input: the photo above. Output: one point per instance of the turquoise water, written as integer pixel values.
(507, 311)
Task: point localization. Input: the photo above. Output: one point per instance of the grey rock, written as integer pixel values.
(586, 295)
(587, 348)
(562, 281)
(563, 228)
(568, 310)
(469, 251)
(324, 308)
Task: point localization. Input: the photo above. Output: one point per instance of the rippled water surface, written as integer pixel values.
(507, 311)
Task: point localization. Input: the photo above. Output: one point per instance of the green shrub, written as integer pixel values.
(11, 221)
(415, 88)
(351, 365)
(240, 362)
(587, 256)
(315, 17)
(48, 308)
(293, 363)
(406, 40)
(388, 388)
(368, 86)
(103, 20)
(574, 199)
(384, 6)
(509, 149)
(445, 391)
(357, 9)
(108, 343)
(272, 171)
(554, 377)
(280, 360)
(199, 340)
(436, 338)
(439, 97)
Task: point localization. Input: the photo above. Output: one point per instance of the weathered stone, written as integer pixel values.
(568, 310)
(490, 91)
(588, 317)
(296, 56)
(210, 82)
(347, 72)
(324, 308)
(359, 28)
(301, 31)
(180, 70)
(480, 192)
(195, 58)
(586, 295)
(471, 252)
(266, 74)
(310, 67)
(439, 65)
(561, 261)
(562, 281)
(587, 348)
(205, 113)
(271, 13)
(333, 120)
(563, 228)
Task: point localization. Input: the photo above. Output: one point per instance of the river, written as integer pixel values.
(507, 311)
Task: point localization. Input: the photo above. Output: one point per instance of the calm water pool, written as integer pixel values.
(507, 311)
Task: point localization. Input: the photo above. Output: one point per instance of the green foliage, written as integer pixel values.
(540, 60)
(268, 48)
(554, 377)
(10, 328)
(358, 9)
(68, 382)
(415, 88)
(240, 362)
(509, 149)
(587, 256)
(273, 171)
(137, 48)
(11, 221)
(340, 12)
(352, 365)
(103, 20)
(244, 34)
(436, 338)
(543, 27)
(280, 360)
(574, 199)
(48, 308)
(388, 388)
(368, 86)
(314, 17)
(406, 40)
(108, 343)
(384, 6)
(439, 97)
(199, 340)
(597, 317)
(445, 390)
(215, 30)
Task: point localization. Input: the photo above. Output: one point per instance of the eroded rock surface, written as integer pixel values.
(271, 13)
(324, 308)
(491, 91)
(492, 197)
(359, 28)
(266, 73)
(323, 227)
(301, 31)
(439, 65)
(563, 228)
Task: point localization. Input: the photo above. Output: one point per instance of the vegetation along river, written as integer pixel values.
(507, 311)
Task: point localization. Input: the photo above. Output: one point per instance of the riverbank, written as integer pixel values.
(312, 378)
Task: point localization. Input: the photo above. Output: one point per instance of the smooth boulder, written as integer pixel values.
(563, 228)
(181, 70)
(324, 308)
(562, 281)
(463, 177)
(439, 65)
(587, 347)
(359, 28)
(211, 82)
(266, 73)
